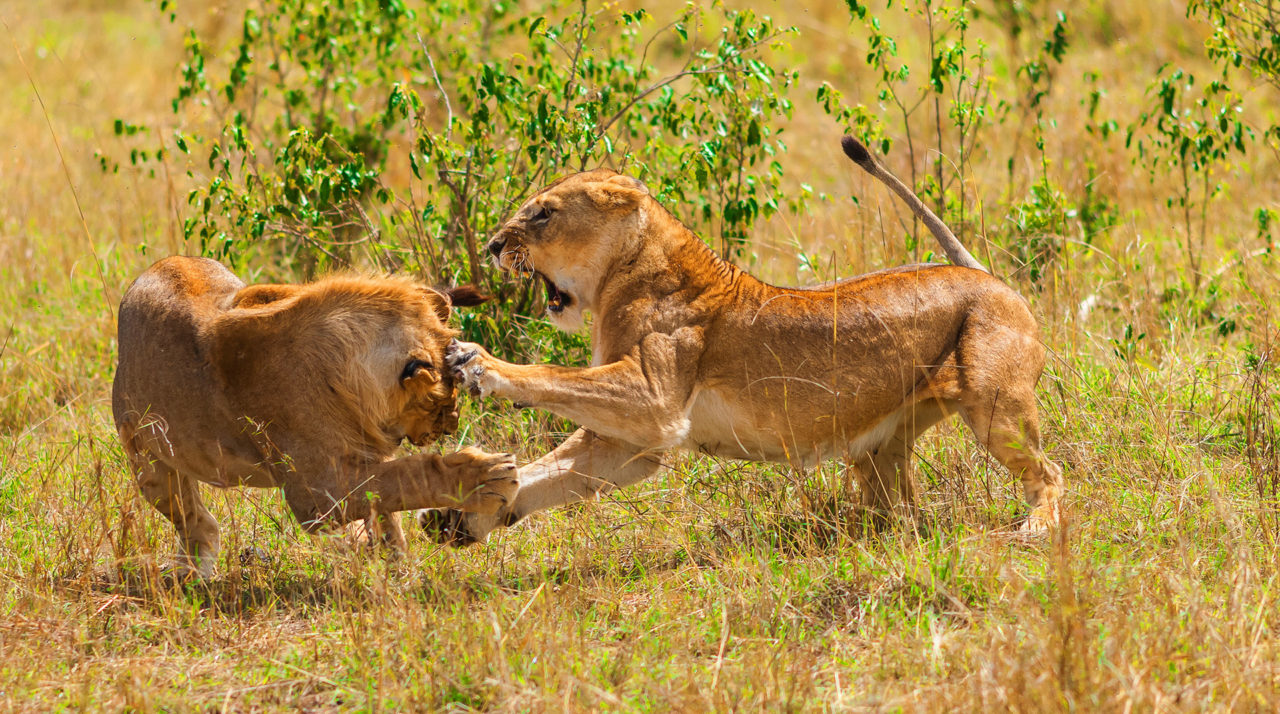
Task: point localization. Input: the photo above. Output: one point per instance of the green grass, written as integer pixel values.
(717, 585)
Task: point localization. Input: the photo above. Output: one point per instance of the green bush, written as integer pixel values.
(320, 108)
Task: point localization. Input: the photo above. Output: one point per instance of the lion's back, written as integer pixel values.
(161, 359)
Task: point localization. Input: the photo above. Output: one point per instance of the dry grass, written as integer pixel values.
(719, 585)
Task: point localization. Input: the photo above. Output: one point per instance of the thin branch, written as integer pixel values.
(720, 67)
(448, 107)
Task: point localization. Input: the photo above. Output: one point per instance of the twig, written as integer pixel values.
(577, 54)
(7, 337)
(459, 192)
(448, 107)
(720, 67)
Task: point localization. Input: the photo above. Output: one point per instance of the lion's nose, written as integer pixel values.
(495, 247)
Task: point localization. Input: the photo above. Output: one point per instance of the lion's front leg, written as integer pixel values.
(641, 399)
(583, 466)
(469, 480)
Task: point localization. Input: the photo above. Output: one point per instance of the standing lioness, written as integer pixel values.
(308, 388)
(691, 352)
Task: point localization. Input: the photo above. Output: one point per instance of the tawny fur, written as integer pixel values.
(691, 352)
(309, 388)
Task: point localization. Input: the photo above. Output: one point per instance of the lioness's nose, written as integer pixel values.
(495, 247)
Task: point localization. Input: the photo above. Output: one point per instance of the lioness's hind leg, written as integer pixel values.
(1000, 360)
(885, 479)
(177, 497)
(1009, 426)
(886, 475)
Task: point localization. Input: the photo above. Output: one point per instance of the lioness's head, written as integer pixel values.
(423, 401)
(569, 234)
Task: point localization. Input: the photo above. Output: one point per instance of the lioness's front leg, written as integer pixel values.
(642, 398)
(470, 480)
(585, 465)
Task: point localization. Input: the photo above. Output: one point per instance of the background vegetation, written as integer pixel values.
(1117, 162)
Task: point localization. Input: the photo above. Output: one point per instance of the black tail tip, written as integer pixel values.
(856, 151)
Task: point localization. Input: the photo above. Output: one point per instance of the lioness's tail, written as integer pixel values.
(956, 252)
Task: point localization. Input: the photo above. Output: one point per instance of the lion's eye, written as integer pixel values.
(543, 215)
(412, 368)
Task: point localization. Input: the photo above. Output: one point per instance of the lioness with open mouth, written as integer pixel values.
(308, 388)
(691, 352)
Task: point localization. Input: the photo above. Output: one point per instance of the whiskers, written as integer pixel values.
(520, 262)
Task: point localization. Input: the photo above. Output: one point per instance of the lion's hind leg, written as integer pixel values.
(177, 497)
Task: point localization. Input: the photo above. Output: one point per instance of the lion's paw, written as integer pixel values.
(486, 482)
(187, 570)
(1043, 519)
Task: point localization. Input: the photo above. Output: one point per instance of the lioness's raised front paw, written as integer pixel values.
(467, 361)
(485, 482)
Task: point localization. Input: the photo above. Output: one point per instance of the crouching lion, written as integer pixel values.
(691, 352)
(308, 388)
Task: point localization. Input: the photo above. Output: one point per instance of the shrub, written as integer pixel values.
(370, 132)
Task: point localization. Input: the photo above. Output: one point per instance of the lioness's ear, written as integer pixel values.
(617, 193)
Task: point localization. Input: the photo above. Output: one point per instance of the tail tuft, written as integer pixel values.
(856, 151)
(950, 244)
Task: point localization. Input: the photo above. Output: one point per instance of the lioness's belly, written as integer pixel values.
(804, 436)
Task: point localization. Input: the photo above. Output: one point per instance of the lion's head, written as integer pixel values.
(569, 234)
(420, 403)
(423, 405)
(361, 360)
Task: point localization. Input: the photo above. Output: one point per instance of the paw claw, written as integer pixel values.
(464, 363)
(486, 483)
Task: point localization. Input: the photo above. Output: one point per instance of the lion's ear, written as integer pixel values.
(443, 299)
(617, 193)
(465, 296)
(439, 301)
(417, 371)
(259, 295)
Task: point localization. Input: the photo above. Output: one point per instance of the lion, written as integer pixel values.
(307, 388)
(691, 352)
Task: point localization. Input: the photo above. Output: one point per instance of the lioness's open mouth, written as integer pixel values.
(557, 299)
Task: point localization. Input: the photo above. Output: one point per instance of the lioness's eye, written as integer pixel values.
(543, 215)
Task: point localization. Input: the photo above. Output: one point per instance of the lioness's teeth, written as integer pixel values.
(555, 298)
